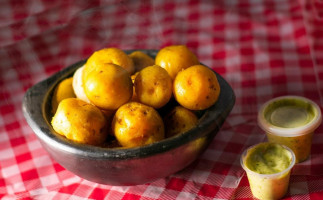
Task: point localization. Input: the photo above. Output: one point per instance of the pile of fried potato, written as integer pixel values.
(129, 100)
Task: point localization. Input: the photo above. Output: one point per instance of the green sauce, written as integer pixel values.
(268, 158)
(289, 113)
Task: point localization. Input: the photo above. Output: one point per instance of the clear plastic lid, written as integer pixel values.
(289, 116)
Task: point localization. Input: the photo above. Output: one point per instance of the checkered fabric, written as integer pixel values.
(263, 48)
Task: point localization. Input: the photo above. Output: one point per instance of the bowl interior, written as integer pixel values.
(37, 106)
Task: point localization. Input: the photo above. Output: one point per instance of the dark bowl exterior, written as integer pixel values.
(123, 166)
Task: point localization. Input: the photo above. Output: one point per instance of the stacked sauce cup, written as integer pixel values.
(291, 121)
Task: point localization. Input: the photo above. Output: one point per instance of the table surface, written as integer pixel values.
(264, 49)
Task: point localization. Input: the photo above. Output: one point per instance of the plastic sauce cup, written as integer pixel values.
(268, 185)
(291, 121)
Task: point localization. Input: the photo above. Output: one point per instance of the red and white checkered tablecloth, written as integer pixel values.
(264, 49)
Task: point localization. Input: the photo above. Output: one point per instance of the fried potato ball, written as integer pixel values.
(80, 122)
(108, 86)
(141, 60)
(136, 124)
(62, 91)
(78, 85)
(80, 94)
(109, 55)
(153, 86)
(175, 58)
(179, 120)
(196, 88)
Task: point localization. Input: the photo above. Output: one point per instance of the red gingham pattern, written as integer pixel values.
(264, 49)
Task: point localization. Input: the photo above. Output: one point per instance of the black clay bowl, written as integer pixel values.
(123, 166)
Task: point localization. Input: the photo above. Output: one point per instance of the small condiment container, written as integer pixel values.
(268, 167)
(291, 121)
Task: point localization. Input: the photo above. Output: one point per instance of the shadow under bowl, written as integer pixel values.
(116, 166)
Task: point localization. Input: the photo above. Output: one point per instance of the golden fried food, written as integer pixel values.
(141, 60)
(109, 55)
(196, 88)
(108, 86)
(179, 120)
(153, 86)
(80, 122)
(175, 58)
(124, 96)
(136, 124)
(62, 91)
